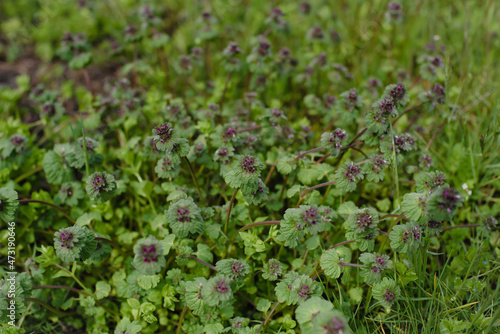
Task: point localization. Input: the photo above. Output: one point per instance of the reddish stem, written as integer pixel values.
(316, 187)
(246, 227)
(307, 152)
(203, 262)
(460, 226)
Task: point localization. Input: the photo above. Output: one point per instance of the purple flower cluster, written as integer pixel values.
(98, 182)
(337, 137)
(389, 296)
(311, 216)
(352, 172)
(164, 131)
(403, 142)
(378, 163)
(450, 198)
(411, 235)
(149, 253)
(248, 164)
(66, 239)
(364, 221)
(183, 215)
(398, 93)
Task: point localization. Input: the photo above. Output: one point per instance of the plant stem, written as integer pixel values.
(203, 262)
(342, 243)
(393, 215)
(408, 110)
(383, 232)
(194, 179)
(460, 226)
(268, 317)
(327, 128)
(320, 160)
(88, 83)
(179, 324)
(61, 287)
(271, 170)
(28, 174)
(47, 306)
(316, 187)
(246, 227)
(86, 290)
(250, 128)
(350, 265)
(25, 201)
(107, 240)
(283, 186)
(85, 152)
(307, 152)
(229, 209)
(396, 202)
(221, 104)
(339, 158)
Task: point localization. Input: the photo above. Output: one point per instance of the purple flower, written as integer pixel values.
(232, 49)
(305, 7)
(248, 164)
(490, 223)
(316, 33)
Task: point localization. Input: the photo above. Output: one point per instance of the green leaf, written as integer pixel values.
(356, 295)
(347, 208)
(48, 256)
(86, 218)
(293, 191)
(313, 242)
(263, 305)
(214, 328)
(134, 303)
(308, 176)
(384, 205)
(406, 275)
(331, 258)
(204, 253)
(167, 243)
(413, 206)
(148, 282)
(252, 243)
(80, 61)
(309, 309)
(285, 164)
(102, 289)
(168, 293)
